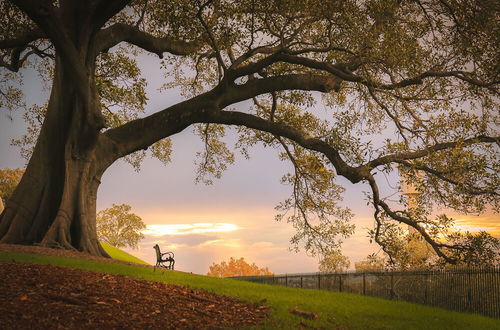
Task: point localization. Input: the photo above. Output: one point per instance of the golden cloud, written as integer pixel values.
(186, 229)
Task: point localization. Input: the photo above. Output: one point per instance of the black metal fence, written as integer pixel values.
(462, 290)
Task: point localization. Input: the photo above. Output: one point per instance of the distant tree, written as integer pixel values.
(237, 267)
(9, 179)
(334, 262)
(372, 263)
(411, 252)
(118, 227)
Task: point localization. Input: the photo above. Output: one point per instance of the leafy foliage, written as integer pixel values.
(371, 263)
(119, 227)
(481, 250)
(216, 156)
(334, 262)
(236, 267)
(34, 120)
(9, 179)
(411, 252)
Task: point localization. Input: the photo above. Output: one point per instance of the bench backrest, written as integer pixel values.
(158, 253)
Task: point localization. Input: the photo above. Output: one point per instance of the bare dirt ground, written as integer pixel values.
(51, 297)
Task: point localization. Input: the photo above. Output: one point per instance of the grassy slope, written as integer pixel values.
(118, 254)
(347, 310)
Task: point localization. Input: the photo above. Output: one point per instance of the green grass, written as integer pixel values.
(334, 309)
(118, 254)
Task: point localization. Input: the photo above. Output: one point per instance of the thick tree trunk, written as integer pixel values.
(55, 203)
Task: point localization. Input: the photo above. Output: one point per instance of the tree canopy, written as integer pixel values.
(371, 263)
(334, 262)
(351, 89)
(237, 267)
(119, 227)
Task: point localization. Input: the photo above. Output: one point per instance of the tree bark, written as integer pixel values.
(54, 205)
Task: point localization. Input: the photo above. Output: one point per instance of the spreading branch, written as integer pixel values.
(17, 46)
(346, 73)
(121, 32)
(19, 55)
(468, 189)
(23, 39)
(380, 205)
(141, 133)
(387, 159)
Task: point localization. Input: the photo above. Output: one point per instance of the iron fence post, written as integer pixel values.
(364, 284)
(426, 279)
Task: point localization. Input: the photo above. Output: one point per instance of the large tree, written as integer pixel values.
(348, 89)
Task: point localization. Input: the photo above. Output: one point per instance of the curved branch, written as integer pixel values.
(353, 174)
(141, 133)
(344, 72)
(470, 190)
(213, 42)
(252, 52)
(417, 80)
(426, 151)
(377, 202)
(22, 40)
(119, 32)
(204, 108)
(16, 61)
(337, 70)
(253, 87)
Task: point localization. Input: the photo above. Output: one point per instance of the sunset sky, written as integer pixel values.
(202, 224)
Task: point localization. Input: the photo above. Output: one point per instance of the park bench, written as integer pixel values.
(165, 260)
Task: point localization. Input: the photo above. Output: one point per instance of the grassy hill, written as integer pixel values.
(118, 254)
(335, 310)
